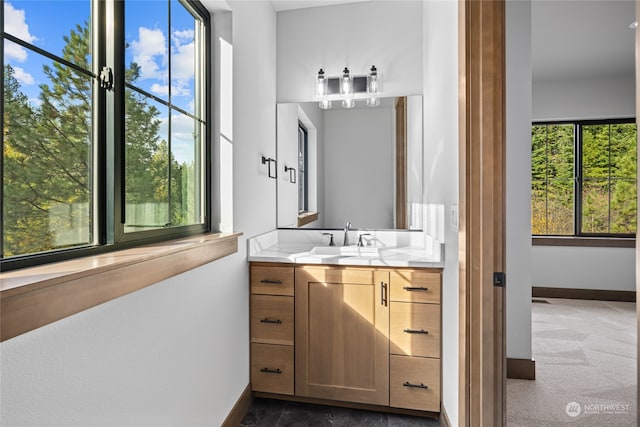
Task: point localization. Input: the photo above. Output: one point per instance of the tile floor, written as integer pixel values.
(275, 413)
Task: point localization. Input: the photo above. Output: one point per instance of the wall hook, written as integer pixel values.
(269, 160)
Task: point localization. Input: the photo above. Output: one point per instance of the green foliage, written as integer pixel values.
(608, 179)
(48, 157)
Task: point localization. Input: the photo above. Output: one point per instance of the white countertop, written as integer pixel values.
(273, 249)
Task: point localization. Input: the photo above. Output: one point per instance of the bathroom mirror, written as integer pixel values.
(363, 165)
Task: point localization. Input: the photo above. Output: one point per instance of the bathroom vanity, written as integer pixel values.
(346, 326)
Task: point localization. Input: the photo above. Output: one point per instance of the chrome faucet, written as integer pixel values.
(346, 234)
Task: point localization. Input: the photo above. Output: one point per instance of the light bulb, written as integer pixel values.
(348, 103)
(325, 104)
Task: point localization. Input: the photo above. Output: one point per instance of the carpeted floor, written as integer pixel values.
(585, 353)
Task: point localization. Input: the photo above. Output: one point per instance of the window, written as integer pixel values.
(583, 178)
(303, 165)
(104, 126)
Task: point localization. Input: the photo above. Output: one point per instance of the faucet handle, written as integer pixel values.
(360, 244)
(330, 239)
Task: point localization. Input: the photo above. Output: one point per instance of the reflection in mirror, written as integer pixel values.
(362, 165)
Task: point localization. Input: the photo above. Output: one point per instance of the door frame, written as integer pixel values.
(482, 363)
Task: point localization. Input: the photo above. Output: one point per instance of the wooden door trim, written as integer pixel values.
(482, 366)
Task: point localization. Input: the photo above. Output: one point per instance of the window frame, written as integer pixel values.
(303, 169)
(578, 177)
(108, 49)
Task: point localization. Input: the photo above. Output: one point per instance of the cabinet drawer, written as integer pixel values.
(415, 286)
(272, 319)
(414, 329)
(415, 383)
(272, 368)
(272, 280)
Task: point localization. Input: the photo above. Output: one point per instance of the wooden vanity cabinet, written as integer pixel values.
(342, 324)
(272, 325)
(351, 334)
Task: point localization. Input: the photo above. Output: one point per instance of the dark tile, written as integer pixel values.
(346, 417)
(409, 421)
(302, 414)
(263, 413)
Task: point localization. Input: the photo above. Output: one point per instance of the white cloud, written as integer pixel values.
(159, 89)
(150, 53)
(15, 24)
(183, 61)
(182, 144)
(23, 77)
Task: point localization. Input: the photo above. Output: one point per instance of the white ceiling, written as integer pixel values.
(574, 38)
(280, 5)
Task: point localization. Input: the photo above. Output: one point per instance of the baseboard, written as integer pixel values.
(521, 369)
(589, 294)
(444, 418)
(240, 409)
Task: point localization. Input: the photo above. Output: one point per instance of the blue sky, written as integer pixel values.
(44, 23)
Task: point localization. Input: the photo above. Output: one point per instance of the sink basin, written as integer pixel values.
(351, 251)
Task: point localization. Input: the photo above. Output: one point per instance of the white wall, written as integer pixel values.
(176, 353)
(587, 98)
(358, 155)
(518, 185)
(357, 35)
(440, 58)
(573, 267)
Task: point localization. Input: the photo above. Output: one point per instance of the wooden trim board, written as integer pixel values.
(588, 242)
(588, 294)
(34, 297)
(401, 162)
(240, 409)
(521, 369)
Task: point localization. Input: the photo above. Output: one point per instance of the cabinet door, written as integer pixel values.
(342, 334)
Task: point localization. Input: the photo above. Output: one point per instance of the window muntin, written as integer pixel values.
(85, 187)
(584, 178)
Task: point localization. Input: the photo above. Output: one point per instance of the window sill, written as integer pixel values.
(34, 297)
(597, 242)
(306, 218)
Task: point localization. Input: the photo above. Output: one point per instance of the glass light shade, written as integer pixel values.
(321, 86)
(372, 81)
(373, 102)
(346, 83)
(348, 103)
(325, 104)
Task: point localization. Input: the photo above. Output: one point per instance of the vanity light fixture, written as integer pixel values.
(347, 88)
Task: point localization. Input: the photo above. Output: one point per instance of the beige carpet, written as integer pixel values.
(585, 353)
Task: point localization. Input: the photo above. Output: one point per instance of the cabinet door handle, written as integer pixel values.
(408, 384)
(267, 320)
(415, 288)
(416, 331)
(271, 371)
(383, 293)
(271, 282)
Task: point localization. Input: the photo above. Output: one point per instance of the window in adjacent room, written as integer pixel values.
(303, 167)
(104, 126)
(584, 178)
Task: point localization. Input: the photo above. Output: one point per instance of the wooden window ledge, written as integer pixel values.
(598, 242)
(306, 218)
(36, 296)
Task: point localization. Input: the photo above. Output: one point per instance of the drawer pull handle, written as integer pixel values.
(416, 331)
(408, 384)
(267, 320)
(415, 288)
(271, 282)
(271, 371)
